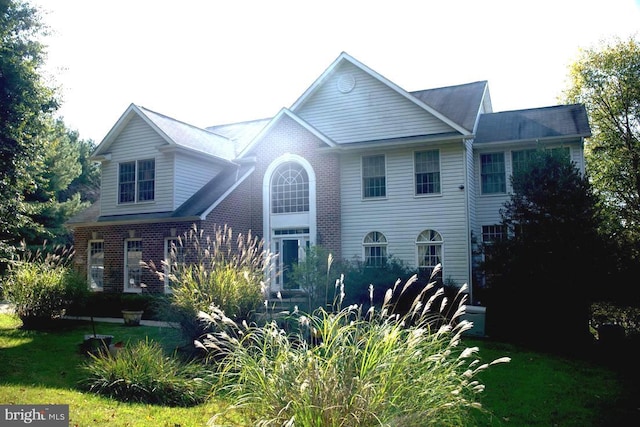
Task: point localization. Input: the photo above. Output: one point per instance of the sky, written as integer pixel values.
(216, 62)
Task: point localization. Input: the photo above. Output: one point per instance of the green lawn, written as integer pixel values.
(533, 390)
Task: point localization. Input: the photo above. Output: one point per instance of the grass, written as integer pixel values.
(538, 389)
(535, 389)
(44, 368)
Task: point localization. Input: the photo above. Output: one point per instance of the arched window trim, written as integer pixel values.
(429, 250)
(374, 246)
(289, 189)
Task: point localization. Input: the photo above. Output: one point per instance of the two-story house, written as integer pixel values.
(357, 165)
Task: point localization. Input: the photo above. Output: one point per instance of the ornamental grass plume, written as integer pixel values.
(348, 367)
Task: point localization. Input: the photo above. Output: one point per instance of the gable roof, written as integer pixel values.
(460, 103)
(278, 117)
(533, 124)
(346, 57)
(174, 132)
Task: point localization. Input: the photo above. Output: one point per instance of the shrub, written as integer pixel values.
(142, 373)
(216, 271)
(358, 276)
(41, 285)
(348, 368)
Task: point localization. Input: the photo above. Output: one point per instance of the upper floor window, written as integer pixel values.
(375, 249)
(290, 189)
(136, 181)
(95, 267)
(427, 169)
(520, 160)
(429, 244)
(492, 173)
(374, 182)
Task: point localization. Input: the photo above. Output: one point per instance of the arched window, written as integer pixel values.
(290, 189)
(429, 244)
(375, 249)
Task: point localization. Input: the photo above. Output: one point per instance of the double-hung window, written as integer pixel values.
(375, 249)
(374, 181)
(427, 170)
(429, 244)
(520, 160)
(136, 181)
(132, 268)
(95, 267)
(492, 173)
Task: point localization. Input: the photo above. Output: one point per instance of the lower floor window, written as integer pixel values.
(375, 249)
(96, 264)
(429, 244)
(132, 268)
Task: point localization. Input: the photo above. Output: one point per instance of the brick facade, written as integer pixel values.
(242, 210)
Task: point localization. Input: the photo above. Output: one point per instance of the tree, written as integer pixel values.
(606, 79)
(25, 103)
(543, 270)
(66, 183)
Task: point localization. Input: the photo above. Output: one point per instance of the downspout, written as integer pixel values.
(468, 220)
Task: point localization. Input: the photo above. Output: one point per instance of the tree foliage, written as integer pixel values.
(541, 281)
(606, 79)
(25, 103)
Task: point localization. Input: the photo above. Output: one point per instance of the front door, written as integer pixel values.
(290, 250)
(290, 256)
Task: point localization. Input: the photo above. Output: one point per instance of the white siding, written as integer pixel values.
(445, 213)
(371, 111)
(191, 174)
(488, 205)
(137, 141)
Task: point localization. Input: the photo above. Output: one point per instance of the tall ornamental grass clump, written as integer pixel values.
(41, 284)
(143, 373)
(215, 270)
(350, 367)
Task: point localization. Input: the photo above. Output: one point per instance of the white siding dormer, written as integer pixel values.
(137, 142)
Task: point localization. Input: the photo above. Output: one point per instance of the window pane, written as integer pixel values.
(96, 265)
(127, 182)
(290, 189)
(146, 179)
(133, 256)
(492, 173)
(375, 249)
(520, 160)
(373, 176)
(427, 165)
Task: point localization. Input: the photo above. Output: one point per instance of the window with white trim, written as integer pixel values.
(427, 172)
(375, 249)
(520, 160)
(429, 245)
(290, 189)
(374, 181)
(492, 173)
(136, 181)
(132, 268)
(95, 264)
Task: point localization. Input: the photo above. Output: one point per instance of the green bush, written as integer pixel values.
(41, 285)
(111, 304)
(142, 373)
(216, 271)
(352, 367)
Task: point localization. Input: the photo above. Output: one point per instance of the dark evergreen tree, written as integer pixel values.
(545, 271)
